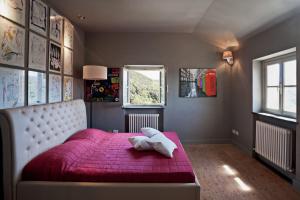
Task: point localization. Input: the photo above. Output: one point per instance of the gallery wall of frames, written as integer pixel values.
(36, 54)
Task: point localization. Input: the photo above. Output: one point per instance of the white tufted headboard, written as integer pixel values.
(29, 131)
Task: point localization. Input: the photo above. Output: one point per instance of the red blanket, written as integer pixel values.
(96, 156)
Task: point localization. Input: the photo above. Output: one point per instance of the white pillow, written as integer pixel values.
(140, 143)
(162, 144)
(150, 132)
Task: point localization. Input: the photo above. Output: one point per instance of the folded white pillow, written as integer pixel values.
(162, 144)
(140, 143)
(155, 140)
(150, 132)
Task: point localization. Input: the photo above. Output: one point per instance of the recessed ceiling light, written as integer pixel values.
(81, 17)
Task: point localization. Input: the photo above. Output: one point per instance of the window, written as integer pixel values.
(144, 85)
(280, 85)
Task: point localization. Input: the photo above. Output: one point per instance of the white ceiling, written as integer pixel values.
(222, 22)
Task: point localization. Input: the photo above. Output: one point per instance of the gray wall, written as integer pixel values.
(280, 37)
(78, 62)
(195, 120)
(78, 56)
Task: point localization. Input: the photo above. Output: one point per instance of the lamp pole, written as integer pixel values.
(93, 72)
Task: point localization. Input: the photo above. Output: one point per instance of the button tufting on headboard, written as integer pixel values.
(29, 131)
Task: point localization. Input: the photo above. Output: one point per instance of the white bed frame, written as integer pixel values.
(29, 131)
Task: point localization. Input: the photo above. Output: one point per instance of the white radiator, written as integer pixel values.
(275, 144)
(138, 121)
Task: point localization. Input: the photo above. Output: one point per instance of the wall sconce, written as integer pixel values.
(227, 55)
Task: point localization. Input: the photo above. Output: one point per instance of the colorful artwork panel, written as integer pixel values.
(68, 61)
(12, 84)
(38, 16)
(68, 34)
(12, 43)
(55, 62)
(55, 85)
(68, 88)
(56, 26)
(196, 82)
(104, 90)
(13, 10)
(37, 52)
(36, 88)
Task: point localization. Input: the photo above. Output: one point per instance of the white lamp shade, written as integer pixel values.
(94, 72)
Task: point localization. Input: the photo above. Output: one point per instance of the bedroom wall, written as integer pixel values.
(78, 83)
(280, 37)
(78, 62)
(78, 57)
(196, 120)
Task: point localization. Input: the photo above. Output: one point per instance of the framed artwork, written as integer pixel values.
(55, 85)
(68, 88)
(38, 16)
(55, 61)
(104, 90)
(56, 26)
(37, 52)
(14, 10)
(36, 88)
(12, 86)
(68, 34)
(12, 43)
(196, 82)
(68, 61)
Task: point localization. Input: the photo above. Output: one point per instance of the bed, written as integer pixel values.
(27, 132)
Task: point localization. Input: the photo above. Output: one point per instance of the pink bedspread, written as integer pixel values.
(96, 156)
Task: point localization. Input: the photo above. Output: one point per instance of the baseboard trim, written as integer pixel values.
(242, 147)
(207, 141)
(296, 184)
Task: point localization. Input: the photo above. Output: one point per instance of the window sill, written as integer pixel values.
(143, 107)
(278, 117)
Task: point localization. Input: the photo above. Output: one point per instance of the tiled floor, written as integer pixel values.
(225, 172)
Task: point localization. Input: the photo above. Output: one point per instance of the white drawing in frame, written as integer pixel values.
(68, 61)
(54, 88)
(36, 88)
(12, 43)
(37, 52)
(68, 34)
(56, 26)
(14, 10)
(12, 86)
(55, 60)
(38, 16)
(68, 88)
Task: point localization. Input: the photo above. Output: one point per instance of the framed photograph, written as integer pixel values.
(36, 88)
(37, 52)
(12, 40)
(104, 90)
(68, 88)
(196, 82)
(38, 16)
(56, 26)
(68, 61)
(55, 85)
(68, 34)
(55, 60)
(14, 10)
(12, 86)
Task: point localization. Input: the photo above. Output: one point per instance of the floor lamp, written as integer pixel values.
(95, 73)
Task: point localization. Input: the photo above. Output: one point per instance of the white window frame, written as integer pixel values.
(277, 60)
(126, 86)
